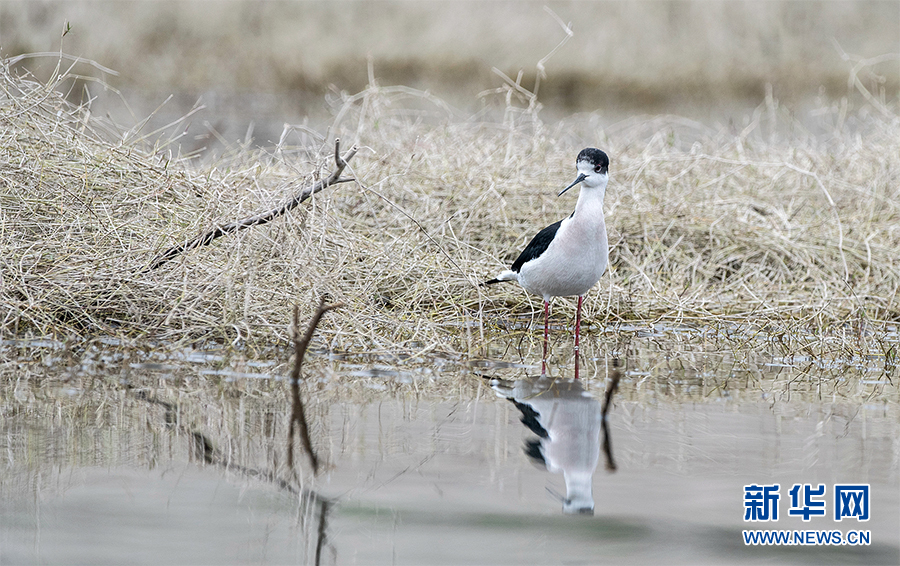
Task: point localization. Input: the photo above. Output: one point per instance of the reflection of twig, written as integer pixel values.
(613, 385)
(321, 539)
(610, 390)
(204, 449)
(298, 415)
(263, 217)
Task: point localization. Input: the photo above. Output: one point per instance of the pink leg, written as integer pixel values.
(577, 334)
(577, 323)
(546, 335)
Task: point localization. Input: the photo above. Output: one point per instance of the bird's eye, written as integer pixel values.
(598, 169)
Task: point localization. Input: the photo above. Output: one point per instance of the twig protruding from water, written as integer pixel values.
(298, 414)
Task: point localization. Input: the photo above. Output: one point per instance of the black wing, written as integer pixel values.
(531, 419)
(536, 246)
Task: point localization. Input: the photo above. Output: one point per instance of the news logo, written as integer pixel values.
(849, 501)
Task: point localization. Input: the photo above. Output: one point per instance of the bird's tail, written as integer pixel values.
(503, 276)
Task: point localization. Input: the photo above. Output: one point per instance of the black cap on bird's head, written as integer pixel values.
(595, 157)
(593, 166)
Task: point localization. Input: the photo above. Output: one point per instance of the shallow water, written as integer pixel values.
(112, 456)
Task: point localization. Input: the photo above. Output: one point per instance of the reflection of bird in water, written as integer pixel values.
(568, 257)
(568, 422)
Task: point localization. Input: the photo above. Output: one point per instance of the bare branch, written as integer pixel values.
(298, 414)
(264, 217)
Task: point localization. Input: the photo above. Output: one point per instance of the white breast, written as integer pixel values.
(576, 258)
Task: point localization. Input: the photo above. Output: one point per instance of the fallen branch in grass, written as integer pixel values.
(263, 217)
(298, 414)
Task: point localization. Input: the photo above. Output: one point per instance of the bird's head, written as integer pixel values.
(593, 169)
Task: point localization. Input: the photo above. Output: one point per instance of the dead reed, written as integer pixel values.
(762, 225)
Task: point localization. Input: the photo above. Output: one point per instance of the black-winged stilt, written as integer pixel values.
(568, 422)
(568, 257)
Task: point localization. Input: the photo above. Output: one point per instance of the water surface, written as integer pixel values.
(110, 456)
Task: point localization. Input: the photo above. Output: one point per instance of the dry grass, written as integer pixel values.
(762, 225)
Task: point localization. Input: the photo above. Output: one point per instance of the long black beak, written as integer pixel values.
(580, 178)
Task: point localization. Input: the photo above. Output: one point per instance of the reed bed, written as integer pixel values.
(762, 226)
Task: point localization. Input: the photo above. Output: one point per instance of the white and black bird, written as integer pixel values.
(568, 257)
(569, 423)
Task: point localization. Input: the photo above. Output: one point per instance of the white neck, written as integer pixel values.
(590, 200)
(579, 492)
